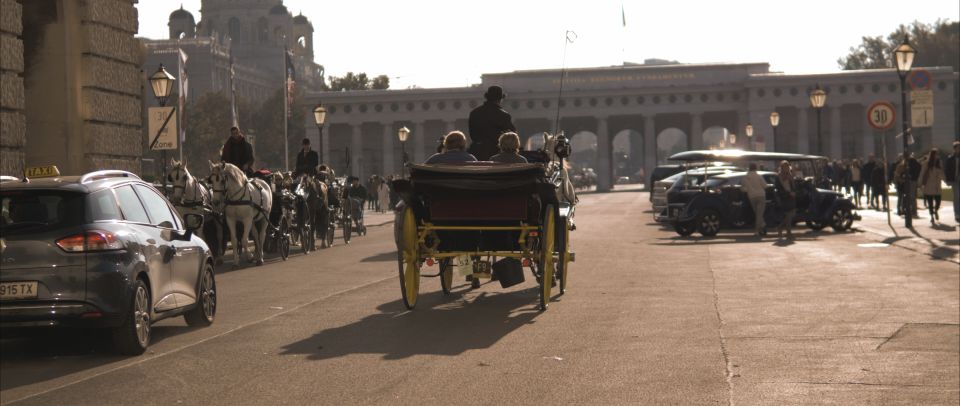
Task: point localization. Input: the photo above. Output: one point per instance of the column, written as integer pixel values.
(604, 163)
(649, 149)
(696, 131)
(835, 136)
(387, 140)
(418, 143)
(356, 150)
(868, 138)
(803, 133)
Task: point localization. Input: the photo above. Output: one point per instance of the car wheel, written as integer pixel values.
(708, 223)
(841, 219)
(815, 225)
(133, 337)
(206, 310)
(684, 228)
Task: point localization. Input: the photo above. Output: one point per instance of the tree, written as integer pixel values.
(358, 81)
(268, 123)
(937, 44)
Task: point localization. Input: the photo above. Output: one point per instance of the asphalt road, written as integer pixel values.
(649, 318)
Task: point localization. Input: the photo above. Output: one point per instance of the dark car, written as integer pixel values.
(100, 250)
(661, 172)
(720, 203)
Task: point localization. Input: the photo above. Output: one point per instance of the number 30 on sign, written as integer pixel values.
(881, 115)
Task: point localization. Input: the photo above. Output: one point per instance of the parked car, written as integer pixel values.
(690, 177)
(661, 172)
(105, 249)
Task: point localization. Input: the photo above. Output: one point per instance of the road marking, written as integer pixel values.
(151, 358)
(873, 245)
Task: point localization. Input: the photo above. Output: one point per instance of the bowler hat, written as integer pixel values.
(494, 93)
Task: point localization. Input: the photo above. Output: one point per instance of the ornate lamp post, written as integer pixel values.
(749, 131)
(817, 99)
(774, 122)
(161, 83)
(904, 55)
(320, 116)
(403, 133)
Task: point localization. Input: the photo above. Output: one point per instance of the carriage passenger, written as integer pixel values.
(454, 150)
(509, 144)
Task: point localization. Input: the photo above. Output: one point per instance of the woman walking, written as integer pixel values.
(930, 178)
(786, 193)
(383, 195)
(857, 180)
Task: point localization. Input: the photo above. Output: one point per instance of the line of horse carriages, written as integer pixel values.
(276, 210)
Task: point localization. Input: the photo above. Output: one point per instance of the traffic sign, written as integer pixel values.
(162, 128)
(881, 115)
(921, 108)
(920, 79)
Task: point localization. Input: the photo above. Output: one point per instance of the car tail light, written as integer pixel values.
(90, 241)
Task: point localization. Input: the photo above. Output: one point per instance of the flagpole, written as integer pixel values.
(286, 142)
(180, 100)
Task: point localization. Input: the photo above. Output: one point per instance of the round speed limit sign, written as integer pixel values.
(881, 115)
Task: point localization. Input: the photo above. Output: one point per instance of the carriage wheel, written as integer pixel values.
(347, 229)
(305, 237)
(283, 241)
(331, 228)
(564, 250)
(548, 235)
(408, 260)
(446, 275)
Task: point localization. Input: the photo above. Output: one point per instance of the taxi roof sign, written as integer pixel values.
(49, 171)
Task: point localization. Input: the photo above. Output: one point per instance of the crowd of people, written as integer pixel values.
(868, 182)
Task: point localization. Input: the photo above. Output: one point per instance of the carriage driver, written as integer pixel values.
(307, 160)
(487, 122)
(238, 151)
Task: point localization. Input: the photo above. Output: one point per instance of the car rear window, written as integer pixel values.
(33, 210)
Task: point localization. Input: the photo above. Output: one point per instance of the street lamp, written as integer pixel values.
(774, 122)
(161, 83)
(817, 99)
(749, 130)
(403, 133)
(320, 116)
(904, 55)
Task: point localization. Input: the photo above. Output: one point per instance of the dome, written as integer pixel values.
(278, 9)
(300, 19)
(181, 13)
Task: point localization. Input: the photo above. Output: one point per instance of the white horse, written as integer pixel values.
(244, 200)
(190, 196)
(566, 193)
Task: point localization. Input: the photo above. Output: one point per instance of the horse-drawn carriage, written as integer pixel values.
(490, 219)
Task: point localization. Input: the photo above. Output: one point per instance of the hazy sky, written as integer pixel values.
(435, 43)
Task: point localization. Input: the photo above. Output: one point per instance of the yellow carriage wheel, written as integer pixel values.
(548, 235)
(564, 264)
(409, 260)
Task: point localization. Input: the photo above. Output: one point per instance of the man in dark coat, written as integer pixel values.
(866, 173)
(486, 124)
(307, 160)
(238, 151)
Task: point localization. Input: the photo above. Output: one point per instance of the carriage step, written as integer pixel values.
(573, 257)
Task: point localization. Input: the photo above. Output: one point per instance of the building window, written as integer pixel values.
(425, 106)
(843, 89)
(891, 87)
(656, 99)
(545, 104)
(875, 88)
(640, 100)
(378, 107)
(363, 108)
(794, 91)
(410, 106)
(687, 98)
(761, 93)
(624, 100)
(858, 88)
(777, 92)
(394, 107)
(942, 85)
(593, 102)
(347, 109)
(719, 97)
(608, 101)
(672, 98)
(457, 105)
(562, 103)
(530, 104)
(704, 98)
(577, 102)
(441, 105)
(332, 109)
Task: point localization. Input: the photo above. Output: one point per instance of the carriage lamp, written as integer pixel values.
(904, 55)
(320, 117)
(818, 98)
(161, 82)
(774, 122)
(749, 131)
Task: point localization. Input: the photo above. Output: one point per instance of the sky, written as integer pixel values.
(451, 43)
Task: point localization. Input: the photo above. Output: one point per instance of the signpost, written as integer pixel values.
(162, 128)
(881, 116)
(921, 108)
(920, 79)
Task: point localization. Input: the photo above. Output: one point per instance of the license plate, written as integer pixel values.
(18, 290)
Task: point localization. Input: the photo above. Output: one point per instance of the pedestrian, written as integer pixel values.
(900, 184)
(878, 187)
(307, 160)
(756, 189)
(383, 196)
(787, 195)
(454, 144)
(509, 144)
(951, 174)
(931, 175)
(238, 151)
(487, 122)
(856, 180)
(867, 172)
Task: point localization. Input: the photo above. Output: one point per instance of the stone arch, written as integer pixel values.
(627, 148)
(583, 145)
(234, 29)
(534, 141)
(670, 141)
(715, 137)
(263, 31)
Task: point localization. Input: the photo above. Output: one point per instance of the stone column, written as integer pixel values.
(388, 151)
(868, 137)
(604, 152)
(835, 135)
(696, 131)
(418, 141)
(803, 134)
(356, 150)
(649, 149)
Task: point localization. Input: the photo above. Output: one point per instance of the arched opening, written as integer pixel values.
(583, 147)
(627, 157)
(263, 31)
(669, 142)
(302, 41)
(716, 137)
(233, 29)
(534, 142)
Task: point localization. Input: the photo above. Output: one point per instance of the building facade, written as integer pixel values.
(70, 83)
(648, 111)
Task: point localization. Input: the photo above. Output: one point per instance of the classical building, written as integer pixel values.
(70, 85)
(648, 111)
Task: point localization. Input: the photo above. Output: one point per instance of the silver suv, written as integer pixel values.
(100, 250)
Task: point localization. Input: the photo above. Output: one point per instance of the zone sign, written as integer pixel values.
(881, 115)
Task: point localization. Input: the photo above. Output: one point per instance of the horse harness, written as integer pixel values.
(248, 201)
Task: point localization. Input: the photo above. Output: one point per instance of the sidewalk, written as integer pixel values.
(941, 241)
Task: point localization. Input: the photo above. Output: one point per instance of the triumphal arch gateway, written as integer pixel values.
(624, 119)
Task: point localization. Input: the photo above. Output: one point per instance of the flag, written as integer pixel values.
(623, 15)
(290, 80)
(182, 67)
(233, 93)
